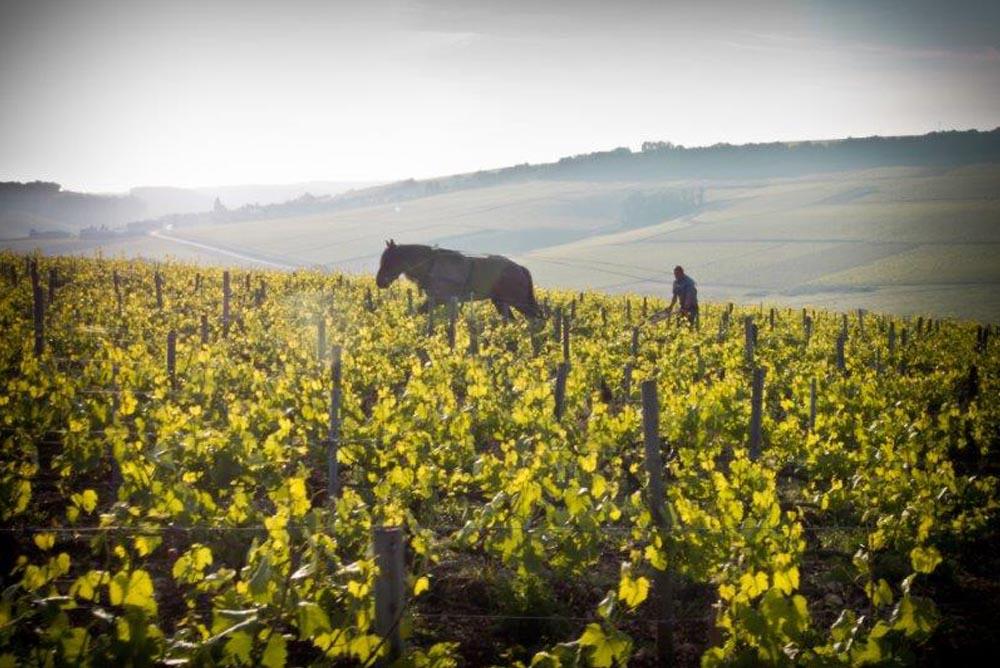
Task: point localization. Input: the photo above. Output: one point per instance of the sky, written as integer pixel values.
(104, 95)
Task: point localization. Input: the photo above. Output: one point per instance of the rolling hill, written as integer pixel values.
(854, 231)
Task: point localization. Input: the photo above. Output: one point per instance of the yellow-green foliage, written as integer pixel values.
(185, 519)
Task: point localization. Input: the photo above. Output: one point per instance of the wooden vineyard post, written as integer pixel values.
(771, 319)
(333, 436)
(644, 308)
(118, 290)
(261, 294)
(903, 341)
(572, 309)
(628, 310)
(474, 333)
(565, 340)
(158, 280)
(662, 586)
(807, 326)
(204, 330)
(452, 321)
(812, 405)
(557, 324)
(172, 357)
(982, 339)
(892, 337)
(320, 337)
(627, 383)
(861, 321)
(53, 280)
(756, 413)
(389, 590)
(750, 340)
(197, 282)
(116, 470)
(635, 342)
(430, 315)
(38, 310)
(604, 317)
(369, 301)
(226, 293)
(841, 363)
(409, 300)
(560, 394)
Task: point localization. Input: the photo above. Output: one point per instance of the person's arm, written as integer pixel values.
(665, 313)
(672, 302)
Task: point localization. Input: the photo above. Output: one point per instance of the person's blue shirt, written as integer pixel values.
(686, 292)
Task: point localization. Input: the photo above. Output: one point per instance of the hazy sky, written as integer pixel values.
(105, 95)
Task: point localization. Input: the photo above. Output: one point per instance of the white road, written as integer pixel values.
(221, 251)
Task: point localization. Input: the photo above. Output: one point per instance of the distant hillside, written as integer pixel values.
(807, 223)
(663, 160)
(47, 208)
(657, 161)
(164, 201)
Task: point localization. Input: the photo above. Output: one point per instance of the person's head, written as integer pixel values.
(678, 272)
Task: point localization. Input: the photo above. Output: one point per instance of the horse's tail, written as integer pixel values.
(532, 305)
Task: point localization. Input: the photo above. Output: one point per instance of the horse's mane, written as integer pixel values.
(423, 250)
(408, 249)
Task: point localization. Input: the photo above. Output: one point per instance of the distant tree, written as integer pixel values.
(653, 146)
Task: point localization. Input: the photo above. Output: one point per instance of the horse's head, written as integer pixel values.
(390, 266)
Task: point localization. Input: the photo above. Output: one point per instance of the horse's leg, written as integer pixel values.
(502, 308)
(515, 288)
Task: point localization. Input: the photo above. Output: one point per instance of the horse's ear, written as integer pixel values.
(392, 243)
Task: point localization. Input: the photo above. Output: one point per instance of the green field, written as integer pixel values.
(902, 240)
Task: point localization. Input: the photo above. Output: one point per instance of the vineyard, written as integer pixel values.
(223, 468)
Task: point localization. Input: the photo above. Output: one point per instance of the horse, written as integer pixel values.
(443, 274)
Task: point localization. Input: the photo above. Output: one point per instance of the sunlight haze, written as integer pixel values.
(196, 94)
